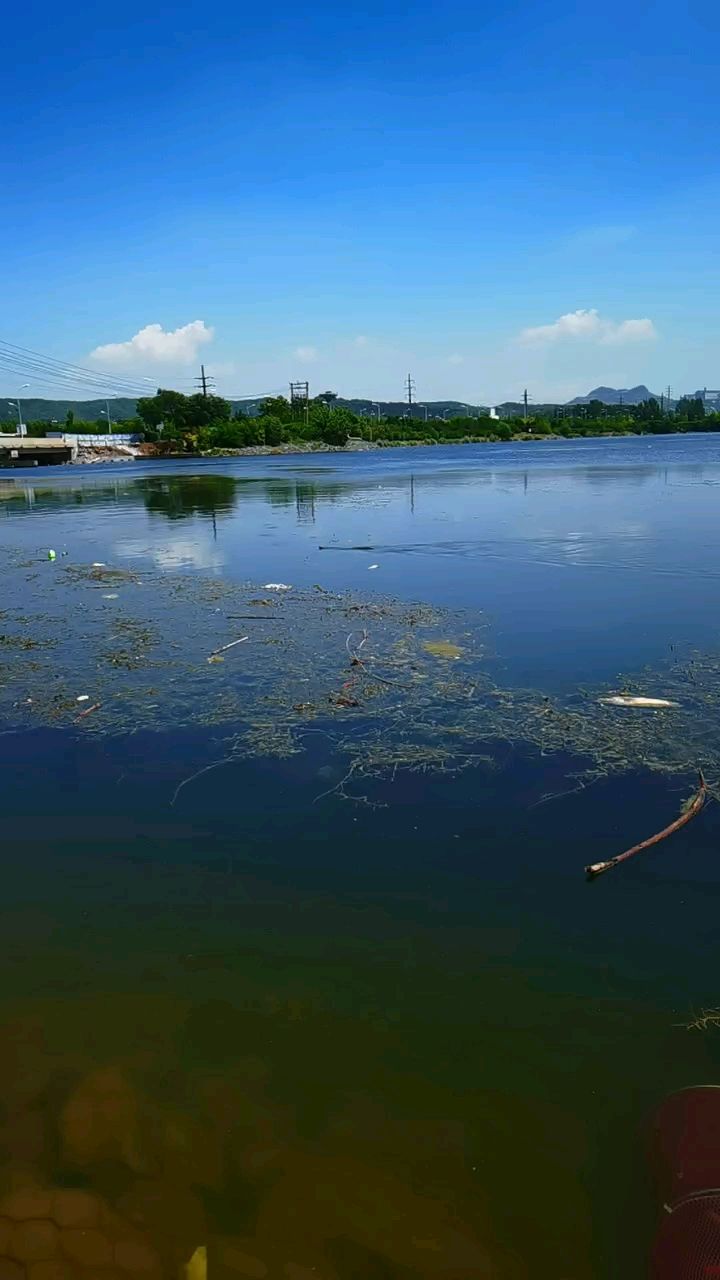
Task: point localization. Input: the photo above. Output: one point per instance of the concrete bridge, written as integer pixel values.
(25, 451)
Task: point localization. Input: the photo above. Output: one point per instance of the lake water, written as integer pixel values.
(335, 1039)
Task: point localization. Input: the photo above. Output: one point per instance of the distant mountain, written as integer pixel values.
(396, 408)
(610, 395)
(515, 409)
(55, 411)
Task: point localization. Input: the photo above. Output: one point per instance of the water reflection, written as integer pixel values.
(178, 497)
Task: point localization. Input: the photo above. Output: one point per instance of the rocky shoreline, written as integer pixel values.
(125, 453)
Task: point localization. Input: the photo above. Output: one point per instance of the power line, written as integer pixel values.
(66, 368)
(60, 388)
(22, 360)
(58, 379)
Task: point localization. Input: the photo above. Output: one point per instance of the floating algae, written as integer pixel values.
(363, 671)
(442, 649)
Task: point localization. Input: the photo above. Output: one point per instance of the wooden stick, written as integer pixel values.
(694, 807)
(88, 711)
(231, 645)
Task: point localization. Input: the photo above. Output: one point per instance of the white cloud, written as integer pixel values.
(155, 345)
(308, 355)
(590, 325)
(360, 341)
(456, 359)
(633, 331)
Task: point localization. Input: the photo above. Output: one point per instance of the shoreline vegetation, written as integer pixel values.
(173, 424)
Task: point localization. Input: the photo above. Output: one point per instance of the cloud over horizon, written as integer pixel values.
(589, 325)
(155, 345)
(308, 355)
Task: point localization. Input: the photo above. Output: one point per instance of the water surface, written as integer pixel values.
(390, 1042)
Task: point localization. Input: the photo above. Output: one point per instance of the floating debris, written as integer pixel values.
(88, 711)
(690, 810)
(636, 700)
(392, 685)
(231, 645)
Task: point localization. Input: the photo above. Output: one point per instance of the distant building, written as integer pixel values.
(711, 399)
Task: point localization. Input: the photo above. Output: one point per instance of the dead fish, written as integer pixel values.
(635, 700)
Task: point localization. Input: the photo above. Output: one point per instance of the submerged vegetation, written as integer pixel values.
(392, 686)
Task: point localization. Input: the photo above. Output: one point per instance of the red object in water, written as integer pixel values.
(686, 1161)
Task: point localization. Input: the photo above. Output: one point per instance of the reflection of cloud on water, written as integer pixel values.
(177, 553)
(589, 547)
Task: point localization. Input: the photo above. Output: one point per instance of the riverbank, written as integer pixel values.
(354, 446)
(98, 454)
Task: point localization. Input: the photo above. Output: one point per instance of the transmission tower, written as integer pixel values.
(410, 388)
(300, 398)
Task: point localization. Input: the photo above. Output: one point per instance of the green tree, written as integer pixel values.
(273, 429)
(332, 426)
(166, 408)
(277, 407)
(182, 417)
(204, 410)
(501, 430)
(70, 419)
(692, 410)
(647, 410)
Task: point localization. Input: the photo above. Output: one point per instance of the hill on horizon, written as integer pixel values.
(613, 395)
(55, 411)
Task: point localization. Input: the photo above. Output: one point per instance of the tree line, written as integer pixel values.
(197, 423)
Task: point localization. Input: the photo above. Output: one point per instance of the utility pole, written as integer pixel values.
(410, 386)
(669, 404)
(205, 381)
(525, 402)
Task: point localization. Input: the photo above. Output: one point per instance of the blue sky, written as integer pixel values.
(349, 192)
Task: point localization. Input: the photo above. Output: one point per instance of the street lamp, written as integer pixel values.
(376, 409)
(424, 406)
(105, 413)
(15, 404)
